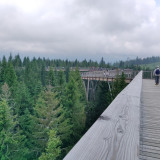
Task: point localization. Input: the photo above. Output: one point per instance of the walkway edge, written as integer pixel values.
(115, 134)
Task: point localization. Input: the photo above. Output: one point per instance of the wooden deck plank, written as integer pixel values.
(150, 121)
(147, 158)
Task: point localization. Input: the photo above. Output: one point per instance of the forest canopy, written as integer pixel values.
(44, 111)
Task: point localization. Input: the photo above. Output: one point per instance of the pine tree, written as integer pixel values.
(61, 78)
(102, 63)
(45, 116)
(74, 112)
(26, 125)
(67, 71)
(7, 136)
(37, 90)
(11, 78)
(31, 77)
(118, 85)
(10, 59)
(51, 77)
(43, 75)
(122, 82)
(17, 61)
(53, 147)
(81, 88)
(3, 70)
(23, 100)
(115, 87)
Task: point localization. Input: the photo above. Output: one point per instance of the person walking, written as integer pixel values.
(156, 73)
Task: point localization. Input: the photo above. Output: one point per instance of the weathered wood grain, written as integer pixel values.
(115, 134)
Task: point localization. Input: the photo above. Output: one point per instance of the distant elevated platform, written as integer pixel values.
(106, 79)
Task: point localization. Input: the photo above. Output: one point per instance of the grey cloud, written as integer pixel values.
(82, 27)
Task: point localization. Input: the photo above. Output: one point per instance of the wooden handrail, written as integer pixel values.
(115, 134)
(110, 79)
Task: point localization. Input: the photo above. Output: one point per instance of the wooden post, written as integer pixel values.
(85, 89)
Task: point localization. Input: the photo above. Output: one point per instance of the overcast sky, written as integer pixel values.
(80, 28)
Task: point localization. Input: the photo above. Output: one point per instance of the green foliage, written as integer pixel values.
(45, 114)
(23, 99)
(139, 63)
(98, 104)
(102, 63)
(3, 70)
(118, 85)
(43, 75)
(11, 78)
(51, 77)
(7, 136)
(60, 78)
(74, 108)
(53, 147)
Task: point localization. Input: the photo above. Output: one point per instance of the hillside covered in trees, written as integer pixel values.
(139, 63)
(44, 112)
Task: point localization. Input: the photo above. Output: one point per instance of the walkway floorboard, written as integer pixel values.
(150, 121)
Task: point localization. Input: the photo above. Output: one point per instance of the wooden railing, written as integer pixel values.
(107, 79)
(115, 134)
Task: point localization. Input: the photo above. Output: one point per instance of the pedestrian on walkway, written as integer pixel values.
(156, 73)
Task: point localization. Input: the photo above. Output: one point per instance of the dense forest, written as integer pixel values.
(44, 111)
(138, 63)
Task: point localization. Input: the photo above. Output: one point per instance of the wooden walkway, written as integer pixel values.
(129, 129)
(150, 121)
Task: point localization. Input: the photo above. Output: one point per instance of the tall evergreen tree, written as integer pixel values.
(102, 63)
(75, 111)
(11, 78)
(3, 70)
(7, 136)
(45, 116)
(23, 100)
(53, 147)
(51, 77)
(43, 75)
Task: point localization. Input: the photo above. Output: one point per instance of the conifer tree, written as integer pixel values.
(43, 75)
(23, 99)
(67, 70)
(81, 88)
(74, 110)
(17, 61)
(37, 90)
(118, 85)
(7, 136)
(51, 77)
(45, 116)
(11, 78)
(53, 147)
(122, 82)
(3, 70)
(10, 59)
(61, 78)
